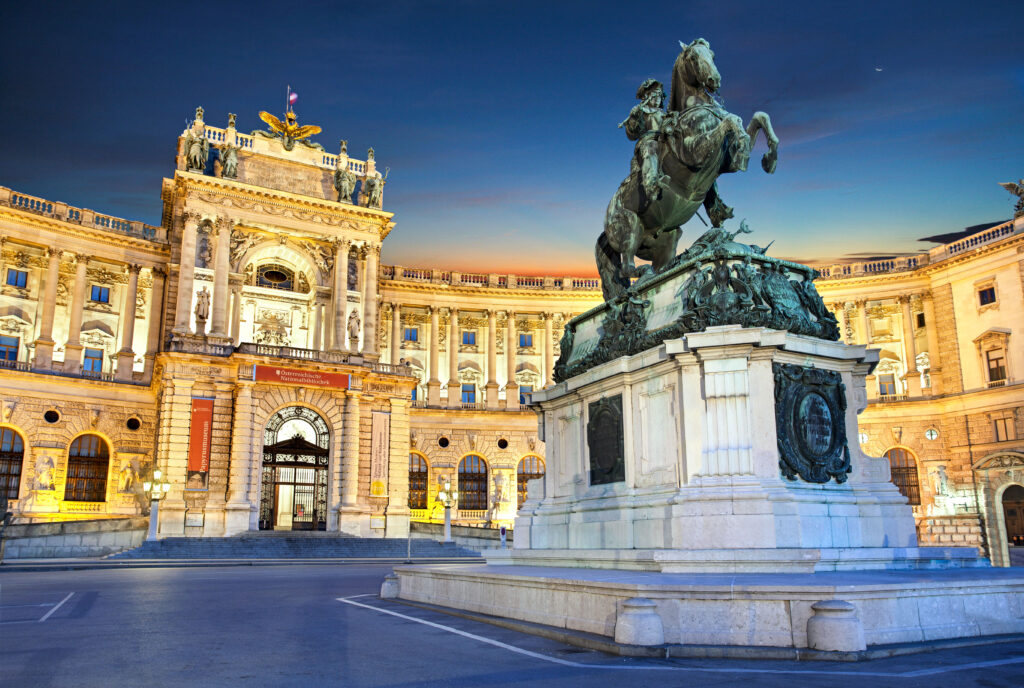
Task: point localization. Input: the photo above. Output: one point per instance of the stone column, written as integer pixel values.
(912, 377)
(318, 327)
(492, 360)
(222, 267)
(350, 451)
(339, 339)
(865, 324)
(236, 312)
(434, 382)
(549, 350)
(240, 500)
(934, 358)
(511, 388)
(454, 340)
(156, 311)
(44, 344)
(126, 356)
(186, 275)
(370, 301)
(396, 333)
(73, 348)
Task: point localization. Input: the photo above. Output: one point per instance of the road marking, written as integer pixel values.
(59, 605)
(15, 606)
(718, 670)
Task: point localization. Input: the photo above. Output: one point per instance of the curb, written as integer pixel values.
(590, 641)
(37, 566)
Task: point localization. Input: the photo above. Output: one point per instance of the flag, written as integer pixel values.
(292, 97)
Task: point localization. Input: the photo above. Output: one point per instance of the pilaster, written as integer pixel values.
(434, 383)
(126, 356)
(44, 343)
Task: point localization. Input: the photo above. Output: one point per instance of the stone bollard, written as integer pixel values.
(389, 588)
(638, 623)
(834, 626)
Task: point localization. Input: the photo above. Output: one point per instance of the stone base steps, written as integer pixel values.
(291, 546)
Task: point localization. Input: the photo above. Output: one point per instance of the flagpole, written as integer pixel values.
(287, 97)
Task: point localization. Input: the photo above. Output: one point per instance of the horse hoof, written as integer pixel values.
(768, 163)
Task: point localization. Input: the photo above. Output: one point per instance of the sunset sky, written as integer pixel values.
(498, 120)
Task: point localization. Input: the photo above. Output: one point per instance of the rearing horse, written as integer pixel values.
(698, 141)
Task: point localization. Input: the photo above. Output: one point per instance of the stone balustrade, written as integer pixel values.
(398, 273)
(327, 161)
(80, 216)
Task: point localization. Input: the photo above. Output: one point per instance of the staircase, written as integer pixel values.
(313, 545)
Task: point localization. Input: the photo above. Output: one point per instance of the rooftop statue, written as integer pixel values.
(197, 146)
(678, 156)
(1017, 189)
(344, 181)
(289, 130)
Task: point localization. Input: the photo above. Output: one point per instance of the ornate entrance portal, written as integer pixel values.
(295, 456)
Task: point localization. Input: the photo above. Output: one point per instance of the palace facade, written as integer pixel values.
(254, 350)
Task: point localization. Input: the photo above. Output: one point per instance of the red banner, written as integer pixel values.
(199, 435)
(298, 376)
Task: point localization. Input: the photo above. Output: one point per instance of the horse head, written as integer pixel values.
(694, 72)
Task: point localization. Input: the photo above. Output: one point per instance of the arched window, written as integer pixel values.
(903, 466)
(88, 463)
(530, 468)
(418, 474)
(472, 483)
(12, 455)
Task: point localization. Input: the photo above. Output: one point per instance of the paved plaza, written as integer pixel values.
(324, 625)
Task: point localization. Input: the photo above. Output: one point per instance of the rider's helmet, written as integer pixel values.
(647, 86)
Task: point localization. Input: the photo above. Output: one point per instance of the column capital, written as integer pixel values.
(433, 310)
(192, 216)
(341, 244)
(547, 315)
(453, 311)
(81, 258)
(132, 268)
(225, 223)
(51, 252)
(158, 270)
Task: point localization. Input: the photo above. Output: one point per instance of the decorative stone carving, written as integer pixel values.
(1016, 189)
(197, 146)
(354, 325)
(372, 191)
(202, 308)
(344, 181)
(229, 161)
(810, 418)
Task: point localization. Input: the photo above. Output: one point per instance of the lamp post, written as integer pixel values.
(156, 489)
(448, 496)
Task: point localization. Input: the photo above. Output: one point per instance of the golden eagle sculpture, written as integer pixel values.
(289, 130)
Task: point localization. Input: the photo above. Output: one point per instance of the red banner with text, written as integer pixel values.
(200, 435)
(298, 376)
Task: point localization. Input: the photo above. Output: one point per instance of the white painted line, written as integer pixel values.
(59, 605)
(716, 670)
(15, 606)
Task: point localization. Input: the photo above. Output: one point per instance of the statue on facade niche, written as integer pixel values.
(353, 325)
(344, 181)
(692, 144)
(202, 307)
(44, 473)
(197, 146)
(1017, 189)
(205, 256)
(373, 189)
(229, 161)
(126, 478)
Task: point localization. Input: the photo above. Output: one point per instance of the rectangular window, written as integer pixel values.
(996, 365)
(412, 334)
(987, 296)
(414, 394)
(920, 320)
(17, 278)
(524, 393)
(100, 294)
(468, 394)
(886, 385)
(9, 348)
(1005, 430)
(469, 337)
(93, 361)
(525, 341)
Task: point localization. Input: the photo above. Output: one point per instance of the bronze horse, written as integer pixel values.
(699, 141)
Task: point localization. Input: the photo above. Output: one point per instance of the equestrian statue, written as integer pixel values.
(678, 157)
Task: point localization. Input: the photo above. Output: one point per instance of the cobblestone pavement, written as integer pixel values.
(324, 626)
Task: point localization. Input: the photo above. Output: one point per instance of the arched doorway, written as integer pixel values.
(419, 474)
(88, 465)
(12, 457)
(1013, 515)
(903, 466)
(296, 450)
(530, 468)
(472, 483)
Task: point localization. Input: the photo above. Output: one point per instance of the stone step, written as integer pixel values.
(294, 546)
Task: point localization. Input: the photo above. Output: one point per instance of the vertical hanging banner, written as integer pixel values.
(200, 435)
(380, 452)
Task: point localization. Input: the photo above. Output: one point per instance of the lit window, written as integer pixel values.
(9, 348)
(412, 334)
(886, 385)
(93, 362)
(469, 394)
(525, 341)
(17, 278)
(530, 468)
(88, 464)
(469, 337)
(419, 473)
(473, 483)
(1005, 430)
(986, 296)
(996, 361)
(524, 393)
(903, 467)
(100, 294)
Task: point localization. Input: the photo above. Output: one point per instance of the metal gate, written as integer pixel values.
(294, 486)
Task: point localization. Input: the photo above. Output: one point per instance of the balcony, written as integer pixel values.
(57, 369)
(293, 353)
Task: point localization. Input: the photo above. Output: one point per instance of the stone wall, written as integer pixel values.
(949, 350)
(93, 538)
(951, 531)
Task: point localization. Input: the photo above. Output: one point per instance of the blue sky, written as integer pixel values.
(497, 120)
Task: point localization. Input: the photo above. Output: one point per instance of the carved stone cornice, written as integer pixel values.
(78, 232)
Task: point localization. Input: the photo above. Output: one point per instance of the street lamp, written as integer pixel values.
(156, 489)
(448, 496)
